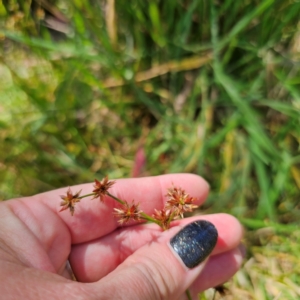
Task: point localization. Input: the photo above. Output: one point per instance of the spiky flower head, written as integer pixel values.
(69, 201)
(101, 187)
(128, 212)
(163, 217)
(179, 202)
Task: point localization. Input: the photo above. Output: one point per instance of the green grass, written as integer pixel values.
(205, 87)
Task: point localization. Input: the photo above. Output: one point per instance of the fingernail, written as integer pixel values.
(195, 242)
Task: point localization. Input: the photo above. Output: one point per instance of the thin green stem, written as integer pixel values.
(87, 195)
(188, 294)
(215, 293)
(144, 215)
(116, 198)
(150, 219)
(171, 218)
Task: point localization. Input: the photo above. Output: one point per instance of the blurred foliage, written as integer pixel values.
(205, 87)
(271, 270)
(208, 87)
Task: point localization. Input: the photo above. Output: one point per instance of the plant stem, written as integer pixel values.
(171, 218)
(188, 294)
(150, 219)
(116, 198)
(87, 195)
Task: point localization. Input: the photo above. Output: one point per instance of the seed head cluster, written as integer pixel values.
(178, 202)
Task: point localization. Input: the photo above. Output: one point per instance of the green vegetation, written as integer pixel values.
(208, 87)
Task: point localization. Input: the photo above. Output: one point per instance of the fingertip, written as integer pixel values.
(219, 269)
(230, 231)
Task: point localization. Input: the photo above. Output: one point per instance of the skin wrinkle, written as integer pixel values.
(163, 278)
(41, 198)
(161, 275)
(43, 262)
(8, 255)
(7, 251)
(123, 248)
(45, 239)
(50, 241)
(24, 214)
(63, 226)
(46, 285)
(106, 286)
(149, 287)
(147, 275)
(55, 250)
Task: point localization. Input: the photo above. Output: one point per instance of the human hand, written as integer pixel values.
(134, 261)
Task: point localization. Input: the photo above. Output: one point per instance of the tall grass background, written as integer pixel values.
(138, 88)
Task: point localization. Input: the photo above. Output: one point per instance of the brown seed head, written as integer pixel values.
(163, 216)
(179, 202)
(101, 188)
(128, 212)
(69, 201)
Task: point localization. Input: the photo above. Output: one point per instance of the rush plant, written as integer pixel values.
(178, 202)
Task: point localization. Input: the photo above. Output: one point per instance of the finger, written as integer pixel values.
(94, 260)
(218, 270)
(24, 229)
(164, 268)
(93, 219)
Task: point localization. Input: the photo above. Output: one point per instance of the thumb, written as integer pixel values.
(164, 268)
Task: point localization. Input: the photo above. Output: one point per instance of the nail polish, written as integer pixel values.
(195, 242)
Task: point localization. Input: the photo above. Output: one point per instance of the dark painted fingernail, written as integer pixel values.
(195, 242)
